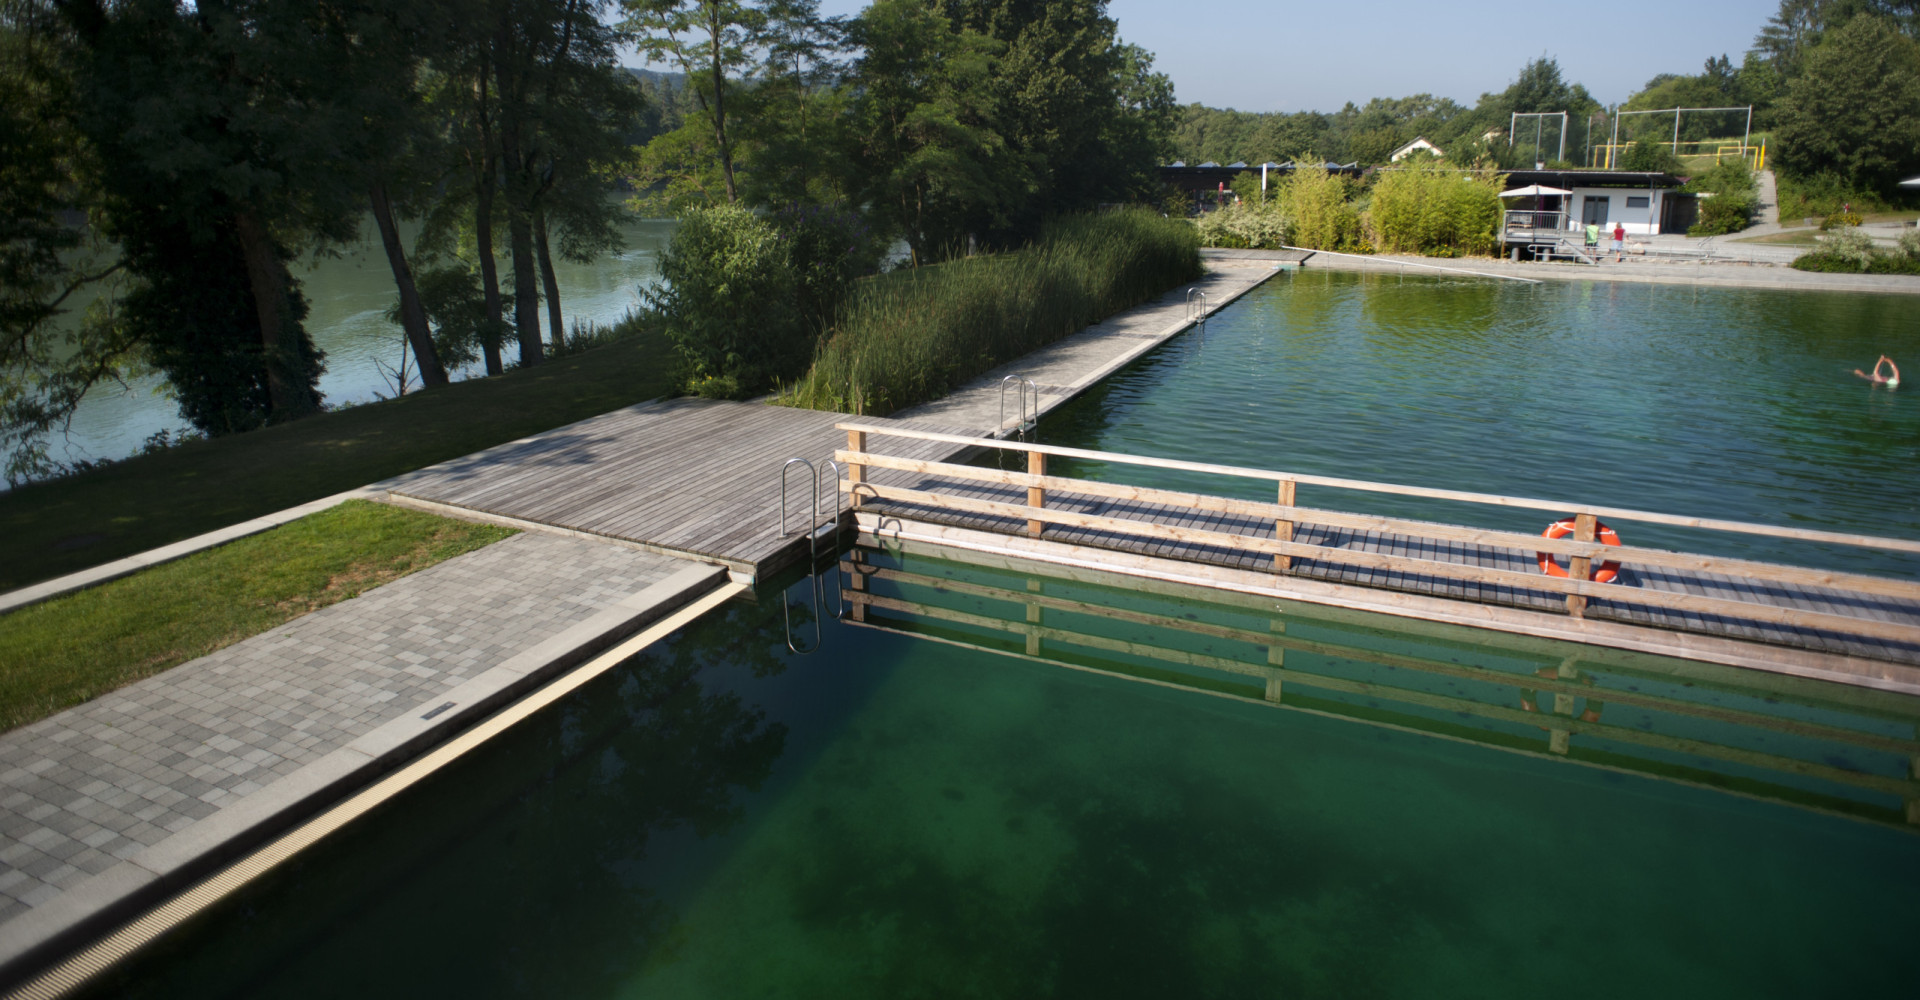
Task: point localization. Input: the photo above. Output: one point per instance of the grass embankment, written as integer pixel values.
(911, 337)
(69, 524)
(85, 644)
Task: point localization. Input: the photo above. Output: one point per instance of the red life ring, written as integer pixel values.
(1606, 572)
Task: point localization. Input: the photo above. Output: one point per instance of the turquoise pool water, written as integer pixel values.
(1728, 403)
(1005, 783)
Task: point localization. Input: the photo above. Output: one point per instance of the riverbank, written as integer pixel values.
(66, 525)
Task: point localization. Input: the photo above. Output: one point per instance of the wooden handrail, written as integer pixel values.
(1771, 614)
(1879, 586)
(1461, 496)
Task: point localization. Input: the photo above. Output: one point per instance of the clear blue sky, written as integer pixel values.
(1288, 55)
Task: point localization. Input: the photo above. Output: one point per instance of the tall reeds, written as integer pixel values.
(913, 336)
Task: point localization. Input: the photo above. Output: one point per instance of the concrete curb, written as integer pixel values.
(105, 572)
(1715, 275)
(73, 919)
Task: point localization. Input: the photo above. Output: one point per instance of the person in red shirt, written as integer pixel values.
(1619, 242)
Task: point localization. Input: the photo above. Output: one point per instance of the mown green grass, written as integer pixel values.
(78, 647)
(915, 336)
(52, 528)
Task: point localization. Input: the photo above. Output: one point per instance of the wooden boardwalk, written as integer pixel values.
(1860, 618)
(690, 477)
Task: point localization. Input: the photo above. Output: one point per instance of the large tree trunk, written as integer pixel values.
(288, 394)
(526, 282)
(714, 30)
(526, 288)
(489, 273)
(413, 316)
(556, 332)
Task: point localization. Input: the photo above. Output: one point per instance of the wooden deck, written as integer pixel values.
(689, 477)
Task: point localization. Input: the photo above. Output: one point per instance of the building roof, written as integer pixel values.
(1594, 178)
(1419, 142)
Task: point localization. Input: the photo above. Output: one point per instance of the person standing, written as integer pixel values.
(1619, 242)
(1593, 236)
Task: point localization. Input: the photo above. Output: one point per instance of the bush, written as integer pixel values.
(1825, 195)
(743, 299)
(1423, 209)
(1246, 226)
(1850, 251)
(912, 336)
(1840, 220)
(1734, 198)
(1653, 156)
(1316, 202)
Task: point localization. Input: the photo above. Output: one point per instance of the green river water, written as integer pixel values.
(923, 809)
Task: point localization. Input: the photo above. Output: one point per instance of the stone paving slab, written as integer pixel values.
(1066, 368)
(130, 787)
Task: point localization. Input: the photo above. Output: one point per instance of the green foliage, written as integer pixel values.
(1734, 197)
(1842, 219)
(912, 336)
(1245, 225)
(1420, 208)
(1824, 195)
(1855, 111)
(1652, 156)
(81, 646)
(1316, 202)
(1851, 251)
(744, 298)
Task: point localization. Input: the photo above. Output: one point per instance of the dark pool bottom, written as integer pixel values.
(895, 816)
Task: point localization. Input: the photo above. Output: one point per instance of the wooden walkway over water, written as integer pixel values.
(1859, 624)
(688, 477)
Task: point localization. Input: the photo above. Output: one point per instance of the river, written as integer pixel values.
(349, 293)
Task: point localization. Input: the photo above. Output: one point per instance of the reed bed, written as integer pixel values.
(909, 337)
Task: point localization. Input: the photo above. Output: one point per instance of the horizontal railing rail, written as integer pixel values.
(1875, 620)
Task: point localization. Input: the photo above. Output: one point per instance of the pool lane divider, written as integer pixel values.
(83, 932)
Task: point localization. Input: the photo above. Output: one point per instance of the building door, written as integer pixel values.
(1593, 212)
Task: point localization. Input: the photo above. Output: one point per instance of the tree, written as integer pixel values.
(1855, 111)
(712, 42)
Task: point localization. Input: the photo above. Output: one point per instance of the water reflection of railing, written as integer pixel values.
(1833, 747)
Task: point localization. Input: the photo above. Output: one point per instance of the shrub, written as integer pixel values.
(1840, 220)
(1645, 155)
(911, 336)
(1316, 202)
(743, 299)
(1734, 198)
(1423, 209)
(1850, 251)
(1246, 226)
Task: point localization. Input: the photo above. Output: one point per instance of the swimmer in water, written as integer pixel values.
(1890, 381)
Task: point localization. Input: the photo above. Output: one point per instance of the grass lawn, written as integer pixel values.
(53, 528)
(74, 648)
(1791, 237)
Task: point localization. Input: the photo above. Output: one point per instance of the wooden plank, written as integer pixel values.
(1493, 499)
(1788, 616)
(1628, 555)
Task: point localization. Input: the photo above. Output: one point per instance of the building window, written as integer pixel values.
(1637, 201)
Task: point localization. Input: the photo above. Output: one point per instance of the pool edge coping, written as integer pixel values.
(37, 942)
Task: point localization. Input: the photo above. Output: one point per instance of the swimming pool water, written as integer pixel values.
(1087, 792)
(1726, 403)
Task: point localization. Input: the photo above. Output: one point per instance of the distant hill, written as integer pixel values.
(668, 81)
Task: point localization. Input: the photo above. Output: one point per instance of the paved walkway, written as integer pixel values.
(1067, 367)
(153, 781)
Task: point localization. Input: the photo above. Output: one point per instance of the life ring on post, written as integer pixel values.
(1606, 572)
(1530, 697)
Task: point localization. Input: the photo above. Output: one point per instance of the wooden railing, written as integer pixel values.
(1564, 684)
(1284, 547)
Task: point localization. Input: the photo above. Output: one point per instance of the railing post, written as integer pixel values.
(1283, 529)
(1580, 567)
(1277, 659)
(1033, 620)
(859, 581)
(1036, 497)
(1560, 740)
(856, 472)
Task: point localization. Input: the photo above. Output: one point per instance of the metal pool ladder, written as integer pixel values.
(1197, 305)
(816, 588)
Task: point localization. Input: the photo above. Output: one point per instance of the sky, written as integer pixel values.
(1288, 55)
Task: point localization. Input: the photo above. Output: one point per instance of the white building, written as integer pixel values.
(1417, 144)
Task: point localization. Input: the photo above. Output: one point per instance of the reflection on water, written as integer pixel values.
(350, 293)
(973, 792)
(1734, 404)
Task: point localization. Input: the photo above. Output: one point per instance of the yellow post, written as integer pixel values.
(1580, 567)
(1282, 527)
(1036, 497)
